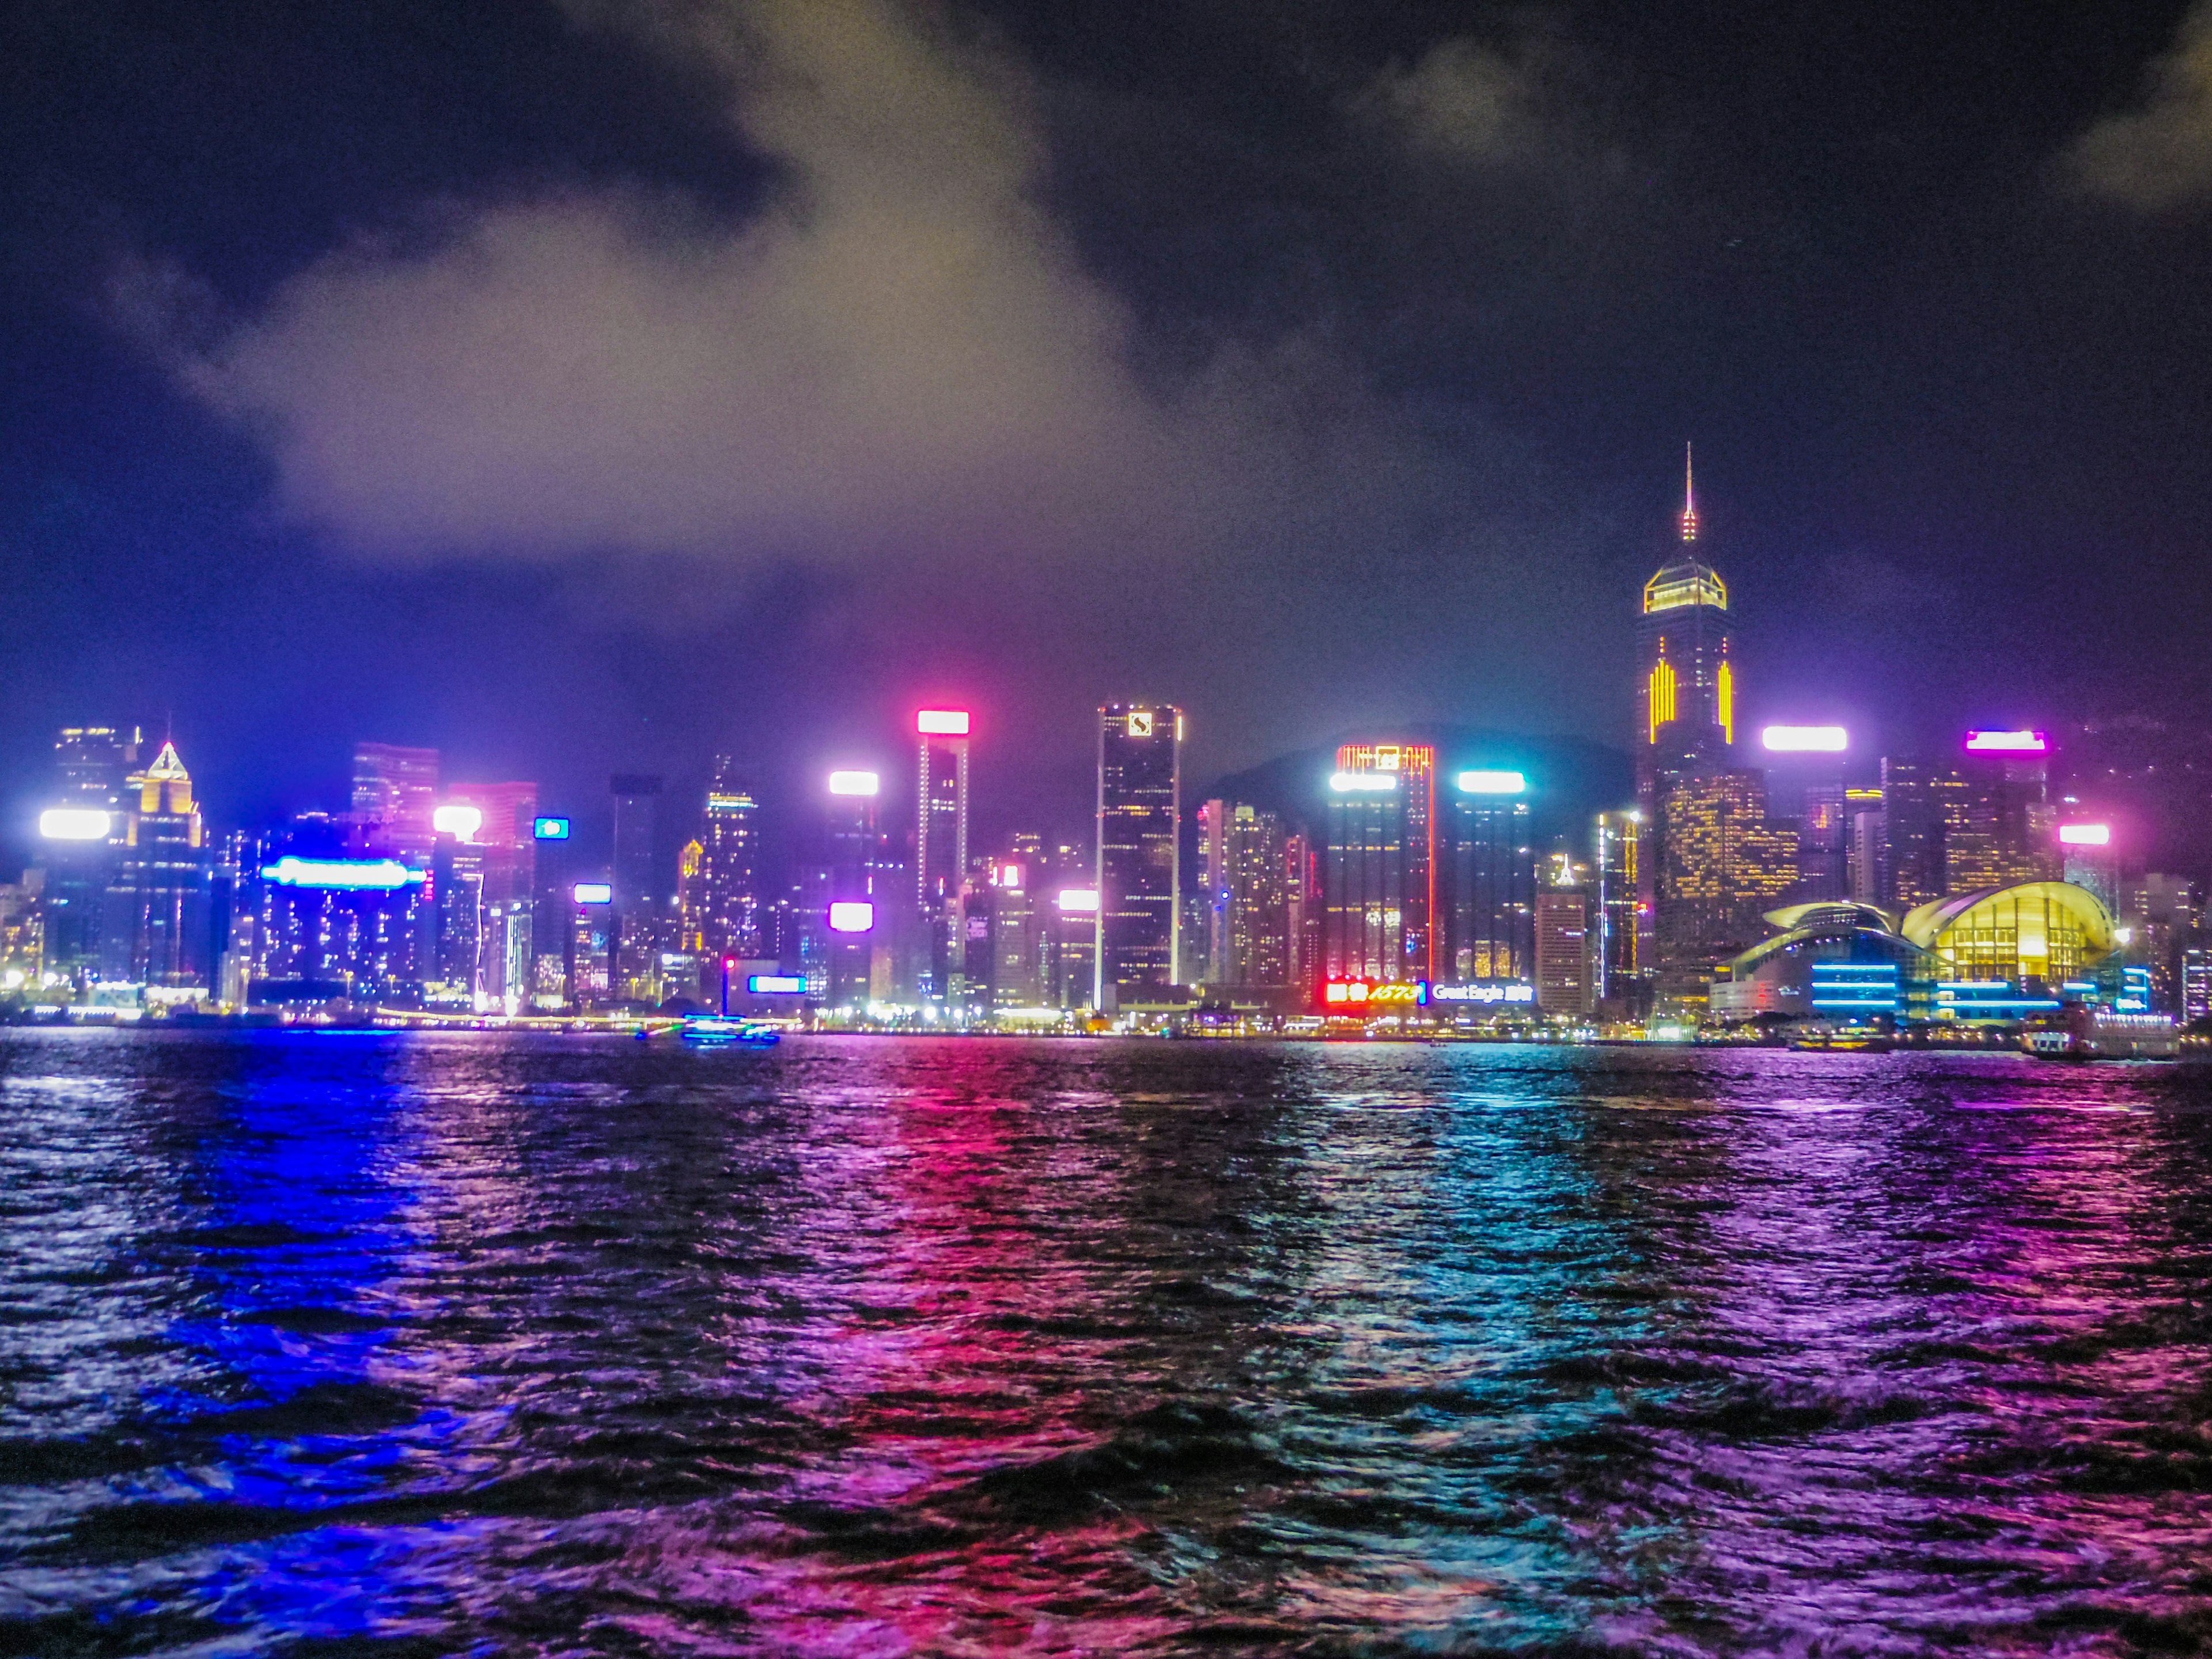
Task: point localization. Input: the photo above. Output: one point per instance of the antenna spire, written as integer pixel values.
(1689, 499)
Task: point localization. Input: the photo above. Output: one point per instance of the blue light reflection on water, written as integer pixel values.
(889, 1346)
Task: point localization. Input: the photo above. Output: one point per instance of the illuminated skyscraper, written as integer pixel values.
(1920, 803)
(1490, 912)
(1563, 954)
(81, 837)
(1382, 865)
(1620, 962)
(157, 930)
(1722, 864)
(500, 853)
(1248, 915)
(395, 791)
(730, 898)
(941, 851)
(1686, 695)
(1139, 860)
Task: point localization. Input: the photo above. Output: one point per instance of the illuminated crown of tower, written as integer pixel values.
(1689, 499)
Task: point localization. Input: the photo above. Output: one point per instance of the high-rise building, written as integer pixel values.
(1247, 909)
(1304, 908)
(1382, 865)
(1721, 864)
(2196, 985)
(1620, 963)
(499, 851)
(1864, 853)
(2000, 827)
(158, 931)
(847, 896)
(1490, 908)
(320, 920)
(1019, 970)
(1687, 697)
(731, 899)
(635, 929)
(1920, 802)
(940, 849)
(395, 795)
(82, 834)
(91, 763)
(1139, 869)
(1564, 959)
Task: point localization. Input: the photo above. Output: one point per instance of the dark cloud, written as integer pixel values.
(2159, 155)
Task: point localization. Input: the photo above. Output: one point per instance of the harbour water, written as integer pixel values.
(394, 1345)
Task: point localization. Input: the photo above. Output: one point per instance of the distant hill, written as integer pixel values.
(1571, 780)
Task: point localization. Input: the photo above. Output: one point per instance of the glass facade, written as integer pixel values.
(1140, 880)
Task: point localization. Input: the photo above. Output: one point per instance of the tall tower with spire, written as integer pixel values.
(1686, 705)
(1687, 671)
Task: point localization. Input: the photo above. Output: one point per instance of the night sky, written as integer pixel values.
(589, 387)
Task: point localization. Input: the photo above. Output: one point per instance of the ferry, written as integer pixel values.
(720, 1030)
(2092, 1034)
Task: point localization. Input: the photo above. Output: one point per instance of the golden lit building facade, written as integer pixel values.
(1721, 863)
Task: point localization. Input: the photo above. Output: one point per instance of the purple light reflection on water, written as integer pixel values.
(883, 1347)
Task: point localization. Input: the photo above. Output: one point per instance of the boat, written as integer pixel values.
(720, 1030)
(1846, 1042)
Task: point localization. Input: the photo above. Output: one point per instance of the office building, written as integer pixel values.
(395, 796)
(157, 930)
(641, 912)
(80, 835)
(1564, 954)
(1246, 907)
(491, 829)
(731, 900)
(319, 919)
(1722, 862)
(1686, 691)
(1864, 847)
(1491, 889)
(2000, 829)
(1382, 868)
(1139, 870)
(940, 861)
(1920, 803)
(1304, 909)
(1620, 964)
(2196, 985)
(1018, 948)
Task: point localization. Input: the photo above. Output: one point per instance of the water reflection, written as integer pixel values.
(940, 1346)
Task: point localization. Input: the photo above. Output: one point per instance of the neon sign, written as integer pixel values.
(1494, 783)
(1485, 991)
(1350, 782)
(776, 985)
(942, 722)
(855, 783)
(2008, 742)
(1361, 994)
(357, 875)
(593, 892)
(73, 824)
(548, 829)
(2086, 835)
(852, 916)
(1805, 739)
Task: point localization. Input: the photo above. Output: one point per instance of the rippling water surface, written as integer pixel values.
(323, 1344)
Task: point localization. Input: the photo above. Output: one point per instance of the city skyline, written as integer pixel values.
(1924, 342)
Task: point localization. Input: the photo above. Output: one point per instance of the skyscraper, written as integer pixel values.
(1687, 694)
(1723, 863)
(83, 837)
(730, 897)
(395, 792)
(1382, 865)
(1248, 938)
(1920, 803)
(941, 851)
(634, 929)
(1564, 977)
(158, 930)
(1139, 860)
(1491, 908)
(1620, 962)
(502, 853)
